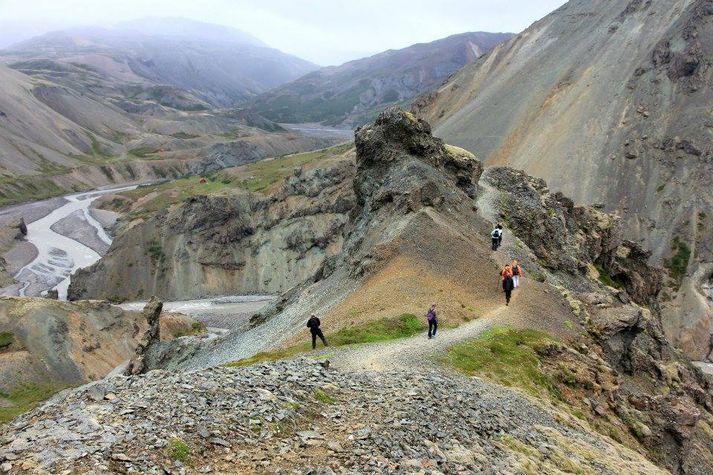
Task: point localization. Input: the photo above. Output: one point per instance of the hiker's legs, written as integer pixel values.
(508, 294)
(321, 337)
(495, 244)
(431, 328)
(314, 340)
(435, 327)
(516, 280)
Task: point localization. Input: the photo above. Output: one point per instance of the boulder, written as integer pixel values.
(21, 227)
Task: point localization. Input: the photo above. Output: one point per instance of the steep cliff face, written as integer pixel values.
(239, 243)
(610, 103)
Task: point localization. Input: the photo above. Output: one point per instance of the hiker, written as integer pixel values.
(506, 276)
(516, 273)
(432, 321)
(710, 349)
(313, 325)
(496, 236)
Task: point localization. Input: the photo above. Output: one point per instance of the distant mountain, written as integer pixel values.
(64, 129)
(355, 91)
(219, 65)
(610, 101)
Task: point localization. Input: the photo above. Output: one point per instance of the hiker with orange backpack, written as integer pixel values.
(506, 276)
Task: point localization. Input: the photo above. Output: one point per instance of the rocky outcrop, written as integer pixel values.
(59, 344)
(152, 336)
(641, 380)
(21, 228)
(240, 243)
(413, 207)
(573, 239)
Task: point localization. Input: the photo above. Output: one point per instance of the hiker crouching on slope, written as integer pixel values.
(432, 321)
(313, 325)
(508, 285)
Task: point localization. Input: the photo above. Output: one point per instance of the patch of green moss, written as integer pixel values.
(323, 397)
(25, 398)
(508, 356)
(6, 339)
(606, 279)
(677, 264)
(197, 328)
(178, 450)
(384, 329)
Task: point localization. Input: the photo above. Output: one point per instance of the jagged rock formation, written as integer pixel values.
(577, 240)
(152, 336)
(62, 344)
(609, 102)
(353, 93)
(219, 245)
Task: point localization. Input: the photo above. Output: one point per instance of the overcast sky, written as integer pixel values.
(323, 31)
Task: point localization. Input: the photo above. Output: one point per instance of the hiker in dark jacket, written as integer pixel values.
(432, 321)
(508, 283)
(495, 237)
(313, 325)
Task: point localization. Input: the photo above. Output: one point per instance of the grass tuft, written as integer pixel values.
(24, 398)
(6, 339)
(178, 450)
(678, 263)
(507, 356)
(323, 397)
(385, 329)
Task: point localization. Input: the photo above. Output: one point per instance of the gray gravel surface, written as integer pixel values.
(297, 417)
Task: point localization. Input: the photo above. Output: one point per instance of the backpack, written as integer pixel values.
(495, 234)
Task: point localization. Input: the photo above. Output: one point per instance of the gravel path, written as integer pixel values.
(401, 354)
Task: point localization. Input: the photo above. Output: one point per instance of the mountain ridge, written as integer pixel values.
(354, 92)
(221, 67)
